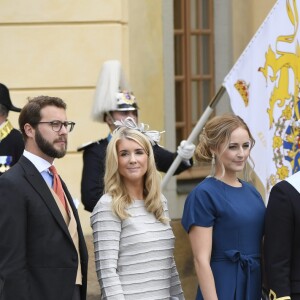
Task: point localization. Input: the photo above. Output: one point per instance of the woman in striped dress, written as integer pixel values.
(133, 239)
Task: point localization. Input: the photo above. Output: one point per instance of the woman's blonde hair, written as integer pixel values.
(115, 186)
(216, 132)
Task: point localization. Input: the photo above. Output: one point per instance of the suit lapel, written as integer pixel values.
(82, 245)
(38, 183)
(72, 205)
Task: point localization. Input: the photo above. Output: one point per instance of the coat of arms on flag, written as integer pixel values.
(263, 87)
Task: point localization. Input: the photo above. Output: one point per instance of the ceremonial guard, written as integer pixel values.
(113, 102)
(11, 141)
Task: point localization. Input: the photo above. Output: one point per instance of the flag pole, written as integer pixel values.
(194, 134)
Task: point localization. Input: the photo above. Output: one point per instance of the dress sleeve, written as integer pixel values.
(92, 185)
(106, 233)
(199, 210)
(278, 241)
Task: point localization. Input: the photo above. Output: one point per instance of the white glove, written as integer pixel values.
(186, 150)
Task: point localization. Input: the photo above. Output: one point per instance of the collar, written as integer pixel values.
(40, 163)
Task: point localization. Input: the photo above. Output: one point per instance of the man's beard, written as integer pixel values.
(48, 148)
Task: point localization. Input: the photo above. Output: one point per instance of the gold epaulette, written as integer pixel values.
(273, 296)
(82, 147)
(5, 130)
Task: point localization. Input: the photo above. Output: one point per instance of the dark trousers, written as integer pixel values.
(76, 294)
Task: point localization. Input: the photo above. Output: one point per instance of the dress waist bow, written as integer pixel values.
(246, 263)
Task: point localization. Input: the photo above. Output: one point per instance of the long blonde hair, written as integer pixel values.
(115, 186)
(218, 131)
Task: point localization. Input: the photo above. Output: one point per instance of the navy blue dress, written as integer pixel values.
(237, 217)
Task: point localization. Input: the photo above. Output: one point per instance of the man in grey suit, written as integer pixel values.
(43, 255)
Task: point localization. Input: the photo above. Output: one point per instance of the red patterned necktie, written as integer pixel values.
(57, 186)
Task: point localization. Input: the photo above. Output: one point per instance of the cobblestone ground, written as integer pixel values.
(183, 257)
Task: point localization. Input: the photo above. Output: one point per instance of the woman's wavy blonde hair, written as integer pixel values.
(218, 131)
(115, 186)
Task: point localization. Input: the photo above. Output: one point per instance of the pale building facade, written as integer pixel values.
(57, 48)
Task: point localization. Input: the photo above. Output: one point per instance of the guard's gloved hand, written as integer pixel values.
(186, 150)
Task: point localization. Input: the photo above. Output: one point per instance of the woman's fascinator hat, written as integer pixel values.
(152, 135)
(112, 92)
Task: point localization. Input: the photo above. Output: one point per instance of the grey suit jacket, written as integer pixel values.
(38, 259)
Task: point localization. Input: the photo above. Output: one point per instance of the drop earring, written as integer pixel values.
(213, 165)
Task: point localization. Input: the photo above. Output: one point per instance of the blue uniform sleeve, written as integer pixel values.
(92, 183)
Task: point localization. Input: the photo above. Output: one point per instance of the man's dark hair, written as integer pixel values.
(31, 112)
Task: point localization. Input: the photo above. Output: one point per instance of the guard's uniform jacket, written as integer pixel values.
(11, 146)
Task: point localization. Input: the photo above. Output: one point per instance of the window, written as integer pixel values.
(194, 66)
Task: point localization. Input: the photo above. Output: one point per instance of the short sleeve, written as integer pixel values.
(199, 210)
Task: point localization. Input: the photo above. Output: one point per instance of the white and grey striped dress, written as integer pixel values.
(134, 258)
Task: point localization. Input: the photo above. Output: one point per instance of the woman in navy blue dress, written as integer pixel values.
(224, 215)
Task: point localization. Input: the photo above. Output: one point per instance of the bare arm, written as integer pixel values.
(201, 243)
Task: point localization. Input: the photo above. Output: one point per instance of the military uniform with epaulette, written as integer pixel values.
(11, 146)
(11, 140)
(111, 97)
